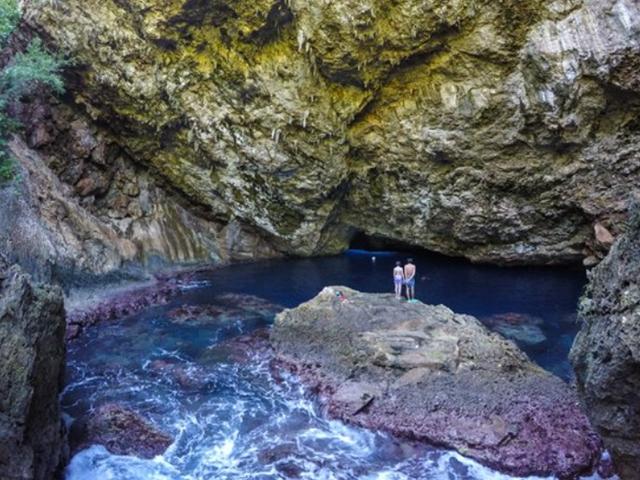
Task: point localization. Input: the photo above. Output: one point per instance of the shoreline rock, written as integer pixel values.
(606, 351)
(126, 301)
(32, 356)
(425, 373)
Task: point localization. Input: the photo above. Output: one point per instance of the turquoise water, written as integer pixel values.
(231, 420)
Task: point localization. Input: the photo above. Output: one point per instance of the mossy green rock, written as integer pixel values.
(500, 131)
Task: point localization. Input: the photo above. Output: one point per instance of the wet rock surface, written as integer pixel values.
(242, 349)
(425, 373)
(186, 377)
(225, 308)
(32, 358)
(606, 352)
(123, 303)
(121, 431)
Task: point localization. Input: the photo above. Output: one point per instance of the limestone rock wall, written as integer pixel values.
(606, 352)
(32, 353)
(81, 210)
(500, 131)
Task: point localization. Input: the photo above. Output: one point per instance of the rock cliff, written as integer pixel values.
(500, 131)
(425, 373)
(606, 352)
(32, 354)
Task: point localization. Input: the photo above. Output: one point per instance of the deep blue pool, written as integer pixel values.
(234, 422)
(548, 294)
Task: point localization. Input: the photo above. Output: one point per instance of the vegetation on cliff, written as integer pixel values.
(26, 70)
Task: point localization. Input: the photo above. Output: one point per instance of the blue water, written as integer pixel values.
(235, 422)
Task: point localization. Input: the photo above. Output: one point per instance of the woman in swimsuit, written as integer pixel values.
(398, 278)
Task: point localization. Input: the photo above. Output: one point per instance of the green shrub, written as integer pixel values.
(7, 169)
(35, 66)
(9, 18)
(26, 71)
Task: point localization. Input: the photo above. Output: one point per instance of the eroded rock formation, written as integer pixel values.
(425, 373)
(606, 352)
(32, 354)
(501, 131)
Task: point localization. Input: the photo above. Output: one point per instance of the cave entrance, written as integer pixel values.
(374, 243)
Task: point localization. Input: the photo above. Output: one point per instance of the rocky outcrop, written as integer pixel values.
(423, 372)
(606, 352)
(500, 131)
(32, 355)
(121, 431)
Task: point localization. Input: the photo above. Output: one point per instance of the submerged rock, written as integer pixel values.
(606, 352)
(32, 357)
(187, 376)
(121, 431)
(426, 373)
(524, 329)
(241, 349)
(224, 308)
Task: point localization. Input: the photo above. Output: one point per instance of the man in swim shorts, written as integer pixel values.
(410, 279)
(398, 278)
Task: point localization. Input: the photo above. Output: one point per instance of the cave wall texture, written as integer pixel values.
(606, 352)
(503, 131)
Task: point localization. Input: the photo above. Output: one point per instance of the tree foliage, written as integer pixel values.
(27, 70)
(9, 18)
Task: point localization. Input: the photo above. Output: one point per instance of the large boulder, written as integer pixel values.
(426, 373)
(606, 352)
(500, 131)
(32, 358)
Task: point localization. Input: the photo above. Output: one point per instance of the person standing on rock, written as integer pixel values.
(398, 278)
(410, 279)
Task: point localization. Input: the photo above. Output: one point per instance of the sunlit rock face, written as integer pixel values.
(500, 131)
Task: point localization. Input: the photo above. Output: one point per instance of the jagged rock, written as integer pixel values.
(501, 131)
(121, 431)
(423, 372)
(32, 358)
(603, 235)
(606, 352)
